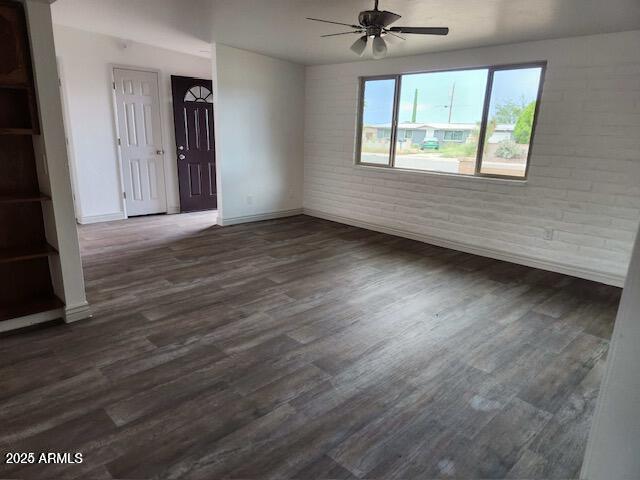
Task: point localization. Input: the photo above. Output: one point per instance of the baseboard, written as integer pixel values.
(29, 320)
(258, 218)
(172, 210)
(76, 313)
(109, 217)
(596, 276)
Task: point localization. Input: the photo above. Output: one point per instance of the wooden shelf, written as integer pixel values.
(37, 197)
(36, 305)
(15, 87)
(19, 254)
(17, 131)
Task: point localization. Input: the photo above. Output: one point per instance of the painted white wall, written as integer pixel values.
(53, 167)
(86, 63)
(614, 440)
(259, 134)
(584, 180)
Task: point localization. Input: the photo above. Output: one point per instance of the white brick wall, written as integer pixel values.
(584, 180)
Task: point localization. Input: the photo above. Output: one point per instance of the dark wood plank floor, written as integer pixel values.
(301, 348)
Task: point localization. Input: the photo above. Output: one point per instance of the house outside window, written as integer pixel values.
(454, 135)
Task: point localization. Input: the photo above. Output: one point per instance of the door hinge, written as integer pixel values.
(119, 143)
(114, 85)
(124, 195)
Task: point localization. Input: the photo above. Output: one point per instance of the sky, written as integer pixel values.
(435, 90)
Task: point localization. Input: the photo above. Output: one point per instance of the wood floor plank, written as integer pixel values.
(324, 468)
(303, 348)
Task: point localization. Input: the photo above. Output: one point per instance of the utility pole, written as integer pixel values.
(415, 107)
(453, 92)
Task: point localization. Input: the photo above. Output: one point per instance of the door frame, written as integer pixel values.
(114, 116)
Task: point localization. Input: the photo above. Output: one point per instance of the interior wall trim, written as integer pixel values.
(29, 320)
(109, 217)
(77, 312)
(588, 274)
(259, 217)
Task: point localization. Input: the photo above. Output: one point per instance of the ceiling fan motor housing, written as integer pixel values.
(370, 18)
(375, 21)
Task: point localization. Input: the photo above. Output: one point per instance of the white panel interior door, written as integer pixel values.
(140, 132)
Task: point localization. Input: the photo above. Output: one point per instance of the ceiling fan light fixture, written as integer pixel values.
(359, 45)
(374, 24)
(379, 48)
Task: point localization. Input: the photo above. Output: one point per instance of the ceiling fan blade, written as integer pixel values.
(335, 23)
(387, 18)
(421, 30)
(387, 32)
(343, 33)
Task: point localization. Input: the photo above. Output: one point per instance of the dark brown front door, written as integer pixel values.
(193, 120)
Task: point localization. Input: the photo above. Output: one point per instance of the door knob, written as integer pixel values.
(159, 152)
(181, 157)
(180, 147)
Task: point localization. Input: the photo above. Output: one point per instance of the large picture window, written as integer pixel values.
(477, 121)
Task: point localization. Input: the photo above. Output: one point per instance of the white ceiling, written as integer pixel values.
(181, 25)
(278, 27)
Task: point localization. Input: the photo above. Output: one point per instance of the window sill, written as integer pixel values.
(457, 176)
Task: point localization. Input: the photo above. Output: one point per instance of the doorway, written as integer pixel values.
(195, 143)
(140, 141)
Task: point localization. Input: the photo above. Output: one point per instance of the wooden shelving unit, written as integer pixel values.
(14, 87)
(18, 254)
(25, 277)
(38, 197)
(17, 131)
(34, 306)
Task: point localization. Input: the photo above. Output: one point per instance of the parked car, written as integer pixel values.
(430, 144)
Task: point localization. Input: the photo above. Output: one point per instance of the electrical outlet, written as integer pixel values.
(548, 234)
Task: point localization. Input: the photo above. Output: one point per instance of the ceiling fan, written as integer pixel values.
(374, 24)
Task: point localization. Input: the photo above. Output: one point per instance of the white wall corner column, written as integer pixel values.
(54, 174)
(216, 129)
(614, 441)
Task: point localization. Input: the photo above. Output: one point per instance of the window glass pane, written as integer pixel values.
(442, 111)
(511, 114)
(377, 117)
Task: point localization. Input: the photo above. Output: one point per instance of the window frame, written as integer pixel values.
(394, 119)
(491, 69)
